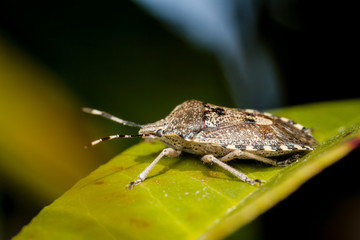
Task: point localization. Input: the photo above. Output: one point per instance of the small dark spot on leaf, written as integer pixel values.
(139, 223)
(192, 216)
(98, 182)
(347, 134)
(118, 168)
(214, 174)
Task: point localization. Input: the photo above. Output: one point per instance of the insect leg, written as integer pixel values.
(243, 177)
(293, 158)
(169, 152)
(237, 153)
(271, 161)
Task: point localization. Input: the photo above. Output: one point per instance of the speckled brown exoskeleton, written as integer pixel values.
(220, 134)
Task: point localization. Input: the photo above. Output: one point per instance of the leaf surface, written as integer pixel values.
(186, 199)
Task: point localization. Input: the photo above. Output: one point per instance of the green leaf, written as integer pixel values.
(186, 199)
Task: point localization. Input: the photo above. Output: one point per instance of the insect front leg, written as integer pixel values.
(243, 177)
(169, 152)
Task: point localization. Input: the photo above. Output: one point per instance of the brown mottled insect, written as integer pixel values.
(221, 134)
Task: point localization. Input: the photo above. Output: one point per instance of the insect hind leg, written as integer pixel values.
(239, 153)
(242, 176)
(291, 159)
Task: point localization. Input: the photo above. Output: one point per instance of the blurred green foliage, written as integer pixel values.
(41, 133)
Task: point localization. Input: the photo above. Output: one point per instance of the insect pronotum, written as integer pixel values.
(220, 134)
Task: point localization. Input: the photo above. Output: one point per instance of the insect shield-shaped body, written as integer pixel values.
(220, 134)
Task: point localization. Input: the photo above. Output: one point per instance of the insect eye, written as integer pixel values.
(158, 133)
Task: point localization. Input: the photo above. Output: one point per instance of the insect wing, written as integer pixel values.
(247, 135)
(241, 135)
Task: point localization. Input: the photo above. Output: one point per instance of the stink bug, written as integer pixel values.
(220, 134)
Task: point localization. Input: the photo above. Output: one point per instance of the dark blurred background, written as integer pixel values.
(138, 60)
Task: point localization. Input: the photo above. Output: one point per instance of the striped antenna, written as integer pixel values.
(111, 117)
(115, 136)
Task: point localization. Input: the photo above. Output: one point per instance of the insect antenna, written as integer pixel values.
(115, 136)
(111, 117)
